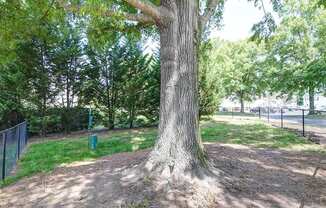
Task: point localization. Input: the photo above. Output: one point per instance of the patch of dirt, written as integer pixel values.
(251, 178)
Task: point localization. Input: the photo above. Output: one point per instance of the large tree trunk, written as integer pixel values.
(311, 101)
(179, 148)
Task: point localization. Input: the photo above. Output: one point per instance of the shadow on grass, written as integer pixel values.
(258, 135)
(45, 156)
(250, 177)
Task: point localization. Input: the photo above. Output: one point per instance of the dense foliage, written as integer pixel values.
(289, 63)
(240, 69)
(52, 72)
(297, 51)
(54, 85)
(56, 62)
(210, 84)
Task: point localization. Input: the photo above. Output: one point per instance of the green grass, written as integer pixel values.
(257, 135)
(45, 156)
(235, 114)
(317, 116)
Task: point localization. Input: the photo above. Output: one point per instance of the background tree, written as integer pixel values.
(121, 80)
(135, 82)
(296, 52)
(68, 63)
(151, 103)
(210, 82)
(241, 69)
(13, 88)
(104, 87)
(34, 59)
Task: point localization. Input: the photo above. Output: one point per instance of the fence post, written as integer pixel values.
(281, 117)
(18, 144)
(25, 133)
(303, 130)
(268, 113)
(259, 112)
(4, 138)
(232, 112)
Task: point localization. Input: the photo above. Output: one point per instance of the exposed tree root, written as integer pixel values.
(245, 177)
(190, 188)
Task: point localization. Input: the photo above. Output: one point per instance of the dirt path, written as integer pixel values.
(255, 178)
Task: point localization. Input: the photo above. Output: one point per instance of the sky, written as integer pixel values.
(238, 18)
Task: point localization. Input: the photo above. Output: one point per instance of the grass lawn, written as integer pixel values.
(236, 114)
(317, 116)
(45, 156)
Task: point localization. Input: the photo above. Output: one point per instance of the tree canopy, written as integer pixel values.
(297, 50)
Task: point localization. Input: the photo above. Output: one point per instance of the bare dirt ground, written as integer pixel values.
(252, 178)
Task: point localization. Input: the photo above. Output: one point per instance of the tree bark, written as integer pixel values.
(109, 88)
(311, 101)
(43, 114)
(111, 121)
(179, 148)
(131, 117)
(67, 112)
(241, 104)
(44, 94)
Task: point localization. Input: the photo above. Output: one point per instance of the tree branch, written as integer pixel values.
(263, 6)
(208, 13)
(126, 29)
(141, 18)
(147, 8)
(48, 10)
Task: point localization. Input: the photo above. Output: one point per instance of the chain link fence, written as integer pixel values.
(12, 143)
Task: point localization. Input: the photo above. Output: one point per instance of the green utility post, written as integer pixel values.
(92, 138)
